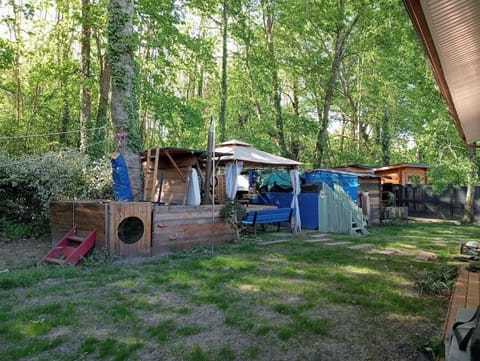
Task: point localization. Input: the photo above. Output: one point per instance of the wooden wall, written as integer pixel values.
(161, 175)
(120, 211)
(373, 187)
(86, 215)
(166, 228)
(181, 227)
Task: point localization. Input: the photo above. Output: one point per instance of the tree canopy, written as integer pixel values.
(328, 83)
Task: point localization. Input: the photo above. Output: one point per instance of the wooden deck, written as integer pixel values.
(466, 294)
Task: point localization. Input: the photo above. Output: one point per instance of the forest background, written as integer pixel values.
(325, 82)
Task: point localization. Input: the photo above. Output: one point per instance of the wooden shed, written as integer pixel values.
(403, 173)
(162, 223)
(369, 190)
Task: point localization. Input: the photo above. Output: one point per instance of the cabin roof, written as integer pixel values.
(402, 165)
(450, 33)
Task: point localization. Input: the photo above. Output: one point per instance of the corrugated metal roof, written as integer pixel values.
(450, 32)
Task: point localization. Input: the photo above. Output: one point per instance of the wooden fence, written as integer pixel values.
(422, 202)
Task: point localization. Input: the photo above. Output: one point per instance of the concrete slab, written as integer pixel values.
(390, 251)
(362, 246)
(316, 240)
(273, 242)
(337, 244)
(426, 256)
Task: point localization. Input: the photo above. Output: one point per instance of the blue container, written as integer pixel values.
(349, 183)
(319, 176)
(307, 202)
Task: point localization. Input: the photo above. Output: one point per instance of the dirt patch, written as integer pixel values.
(22, 253)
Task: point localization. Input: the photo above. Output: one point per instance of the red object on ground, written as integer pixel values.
(71, 248)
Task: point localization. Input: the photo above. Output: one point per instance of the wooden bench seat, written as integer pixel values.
(466, 295)
(266, 216)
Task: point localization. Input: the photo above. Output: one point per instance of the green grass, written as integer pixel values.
(242, 301)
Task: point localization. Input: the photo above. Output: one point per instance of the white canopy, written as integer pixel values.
(236, 150)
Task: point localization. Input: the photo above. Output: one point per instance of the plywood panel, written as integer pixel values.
(181, 227)
(118, 212)
(86, 215)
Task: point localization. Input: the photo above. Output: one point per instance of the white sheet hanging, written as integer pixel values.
(232, 172)
(193, 192)
(295, 179)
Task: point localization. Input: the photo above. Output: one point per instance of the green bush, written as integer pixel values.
(10, 231)
(28, 184)
(438, 281)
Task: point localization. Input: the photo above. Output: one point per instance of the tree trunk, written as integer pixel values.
(85, 99)
(468, 214)
(102, 109)
(385, 137)
(268, 19)
(253, 96)
(17, 32)
(341, 38)
(124, 107)
(223, 96)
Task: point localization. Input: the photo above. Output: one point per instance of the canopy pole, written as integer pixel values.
(207, 197)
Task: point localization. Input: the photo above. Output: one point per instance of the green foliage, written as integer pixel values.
(28, 184)
(385, 107)
(11, 231)
(438, 281)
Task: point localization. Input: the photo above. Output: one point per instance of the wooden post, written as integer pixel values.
(154, 179)
(207, 197)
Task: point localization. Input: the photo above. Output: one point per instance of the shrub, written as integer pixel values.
(28, 184)
(438, 281)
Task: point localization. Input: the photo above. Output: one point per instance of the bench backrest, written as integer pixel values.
(270, 215)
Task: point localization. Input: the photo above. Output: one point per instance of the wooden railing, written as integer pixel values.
(338, 213)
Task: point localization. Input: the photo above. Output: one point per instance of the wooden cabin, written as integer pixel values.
(165, 221)
(403, 173)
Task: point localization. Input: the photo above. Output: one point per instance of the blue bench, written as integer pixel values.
(266, 216)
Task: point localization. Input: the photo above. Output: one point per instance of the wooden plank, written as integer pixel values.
(174, 190)
(466, 294)
(86, 215)
(154, 179)
(472, 300)
(180, 173)
(187, 225)
(118, 212)
(188, 232)
(187, 236)
(147, 166)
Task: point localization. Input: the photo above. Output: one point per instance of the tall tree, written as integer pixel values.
(85, 95)
(223, 92)
(124, 108)
(269, 18)
(343, 29)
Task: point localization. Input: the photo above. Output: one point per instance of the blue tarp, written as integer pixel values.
(121, 184)
(349, 182)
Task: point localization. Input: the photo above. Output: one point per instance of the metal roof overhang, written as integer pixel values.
(450, 33)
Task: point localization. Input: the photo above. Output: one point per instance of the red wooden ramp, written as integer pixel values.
(71, 248)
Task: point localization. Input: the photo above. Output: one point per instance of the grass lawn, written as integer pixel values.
(296, 300)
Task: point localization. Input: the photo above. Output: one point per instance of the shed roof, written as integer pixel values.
(251, 157)
(402, 165)
(172, 151)
(450, 33)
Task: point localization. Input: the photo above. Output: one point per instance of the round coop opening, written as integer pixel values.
(130, 230)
